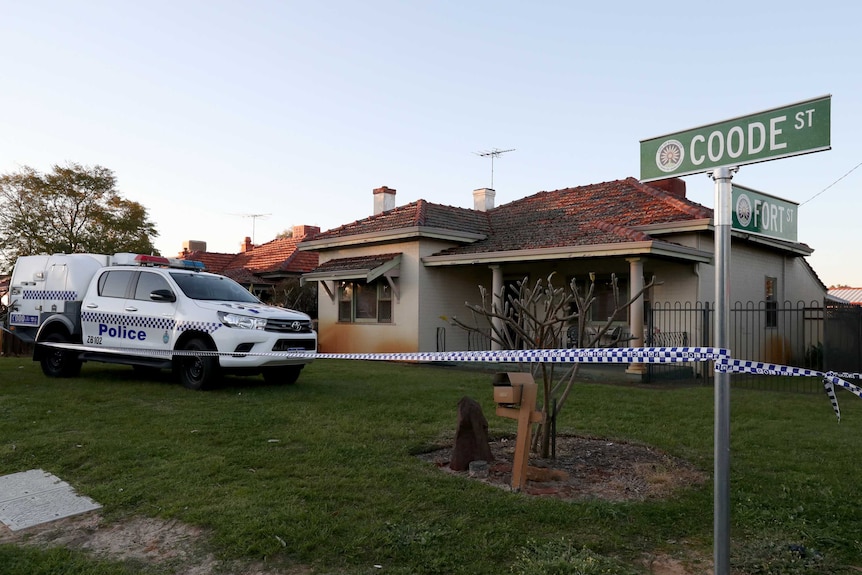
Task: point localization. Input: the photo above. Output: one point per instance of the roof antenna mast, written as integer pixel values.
(254, 218)
(493, 153)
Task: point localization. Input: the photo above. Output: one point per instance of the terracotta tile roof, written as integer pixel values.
(356, 263)
(604, 213)
(279, 255)
(417, 214)
(274, 257)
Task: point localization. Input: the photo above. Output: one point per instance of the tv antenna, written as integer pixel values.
(254, 218)
(493, 153)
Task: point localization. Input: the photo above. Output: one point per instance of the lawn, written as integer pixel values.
(322, 474)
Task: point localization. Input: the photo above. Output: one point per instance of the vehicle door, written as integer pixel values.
(103, 315)
(151, 311)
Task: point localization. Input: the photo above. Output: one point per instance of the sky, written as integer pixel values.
(228, 119)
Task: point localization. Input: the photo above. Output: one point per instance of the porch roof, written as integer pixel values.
(368, 268)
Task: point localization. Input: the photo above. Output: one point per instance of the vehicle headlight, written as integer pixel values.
(241, 321)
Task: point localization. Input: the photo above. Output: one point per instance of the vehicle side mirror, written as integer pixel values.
(162, 295)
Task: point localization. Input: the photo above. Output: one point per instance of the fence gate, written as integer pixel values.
(843, 338)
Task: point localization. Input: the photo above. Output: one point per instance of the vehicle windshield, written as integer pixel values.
(212, 287)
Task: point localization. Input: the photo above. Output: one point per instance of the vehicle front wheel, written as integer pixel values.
(283, 374)
(59, 362)
(197, 372)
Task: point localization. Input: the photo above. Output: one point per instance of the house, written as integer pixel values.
(259, 267)
(389, 281)
(846, 295)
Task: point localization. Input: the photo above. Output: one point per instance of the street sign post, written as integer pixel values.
(778, 133)
(720, 149)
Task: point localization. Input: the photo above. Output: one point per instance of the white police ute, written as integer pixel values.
(152, 312)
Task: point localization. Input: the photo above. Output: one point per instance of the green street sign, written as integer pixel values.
(778, 133)
(758, 213)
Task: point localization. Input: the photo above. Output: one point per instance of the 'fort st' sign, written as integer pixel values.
(778, 133)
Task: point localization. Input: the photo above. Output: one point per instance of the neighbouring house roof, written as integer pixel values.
(849, 295)
(263, 264)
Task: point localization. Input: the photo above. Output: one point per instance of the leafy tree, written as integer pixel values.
(538, 317)
(72, 209)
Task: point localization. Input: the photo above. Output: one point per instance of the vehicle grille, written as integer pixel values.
(295, 344)
(288, 326)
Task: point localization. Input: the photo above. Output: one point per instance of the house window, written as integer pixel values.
(363, 302)
(770, 289)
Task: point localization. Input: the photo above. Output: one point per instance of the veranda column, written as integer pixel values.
(636, 312)
(496, 302)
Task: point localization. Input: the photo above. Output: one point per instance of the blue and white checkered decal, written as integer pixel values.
(204, 326)
(52, 295)
(129, 320)
(142, 321)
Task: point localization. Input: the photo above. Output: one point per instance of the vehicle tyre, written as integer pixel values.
(283, 374)
(59, 362)
(197, 372)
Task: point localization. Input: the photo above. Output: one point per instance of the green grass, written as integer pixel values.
(323, 473)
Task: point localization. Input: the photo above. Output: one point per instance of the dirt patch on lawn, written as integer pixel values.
(174, 546)
(587, 468)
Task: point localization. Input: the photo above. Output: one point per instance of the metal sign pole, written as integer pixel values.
(722, 223)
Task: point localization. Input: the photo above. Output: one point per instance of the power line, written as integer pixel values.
(832, 184)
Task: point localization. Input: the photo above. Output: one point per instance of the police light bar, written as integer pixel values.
(186, 264)
(145, 260)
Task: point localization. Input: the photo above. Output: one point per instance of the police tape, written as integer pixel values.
(586, 355)
(723, 362)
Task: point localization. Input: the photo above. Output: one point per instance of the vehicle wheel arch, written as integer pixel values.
(58, 324)
(189, 335)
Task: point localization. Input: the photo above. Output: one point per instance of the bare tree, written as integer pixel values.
(539, 316)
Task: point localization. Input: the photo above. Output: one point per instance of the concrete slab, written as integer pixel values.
(34, 497)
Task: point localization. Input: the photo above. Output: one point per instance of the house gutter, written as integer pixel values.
(396, 235)
(651, 248)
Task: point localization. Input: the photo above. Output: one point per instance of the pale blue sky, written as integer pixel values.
(209, 111)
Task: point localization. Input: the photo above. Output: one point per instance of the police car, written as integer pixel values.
(152, 312)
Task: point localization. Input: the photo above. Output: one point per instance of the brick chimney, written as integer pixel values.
(673, 186)
(384, 200)
(305, 231)
(246, 245)
(483, 199)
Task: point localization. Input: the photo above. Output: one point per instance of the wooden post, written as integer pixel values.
(526, 415)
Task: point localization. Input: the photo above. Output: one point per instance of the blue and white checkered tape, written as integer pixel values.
(723, 362)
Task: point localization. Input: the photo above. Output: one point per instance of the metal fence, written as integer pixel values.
(813, 335)
(823, 336)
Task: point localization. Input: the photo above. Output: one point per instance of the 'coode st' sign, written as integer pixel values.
(778, 133)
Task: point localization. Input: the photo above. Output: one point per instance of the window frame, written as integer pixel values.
(351, 295)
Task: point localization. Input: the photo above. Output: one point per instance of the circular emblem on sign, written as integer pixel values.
(669, 156)
(743, 210)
